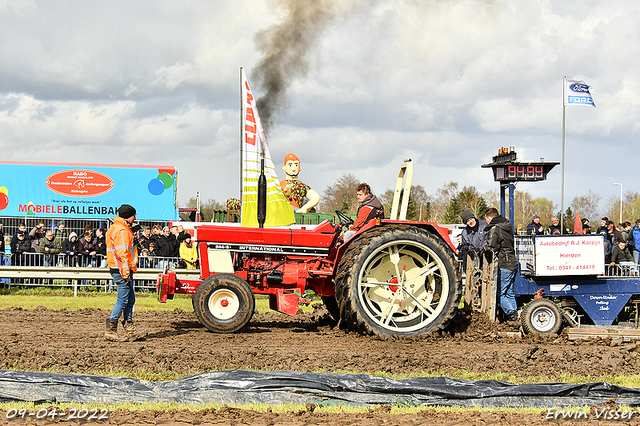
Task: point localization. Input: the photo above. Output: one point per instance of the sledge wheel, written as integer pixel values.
(224, 303)
(541, 316)
(397, 281)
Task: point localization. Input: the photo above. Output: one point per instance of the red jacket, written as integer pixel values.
(370, 208)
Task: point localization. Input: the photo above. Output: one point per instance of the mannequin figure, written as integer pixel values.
(296, 191)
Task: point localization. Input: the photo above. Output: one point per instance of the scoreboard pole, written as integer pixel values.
(503, 207)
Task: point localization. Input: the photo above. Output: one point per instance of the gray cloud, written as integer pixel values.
(356, 87)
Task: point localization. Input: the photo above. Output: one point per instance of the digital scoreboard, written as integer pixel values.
(507, 169)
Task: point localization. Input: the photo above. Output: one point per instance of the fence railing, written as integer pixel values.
(81, 272)
(624, 269)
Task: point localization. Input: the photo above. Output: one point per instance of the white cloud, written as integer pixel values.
(445, 83)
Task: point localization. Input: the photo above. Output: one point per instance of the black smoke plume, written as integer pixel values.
(284, 48)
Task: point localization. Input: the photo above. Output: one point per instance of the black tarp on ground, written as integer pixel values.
(283, 387)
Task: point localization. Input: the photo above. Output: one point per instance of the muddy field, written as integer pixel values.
(72, 342)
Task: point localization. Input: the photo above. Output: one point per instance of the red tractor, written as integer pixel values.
(393, 278)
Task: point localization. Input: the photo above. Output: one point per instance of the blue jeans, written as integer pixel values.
(507, 279)
(125, 300)
(636, 256)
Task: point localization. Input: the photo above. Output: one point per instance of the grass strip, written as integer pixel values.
(59, 299)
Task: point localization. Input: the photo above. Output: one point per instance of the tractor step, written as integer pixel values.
(627, 334)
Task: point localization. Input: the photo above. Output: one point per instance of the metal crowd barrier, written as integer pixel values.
(624, 269)
(78, 272)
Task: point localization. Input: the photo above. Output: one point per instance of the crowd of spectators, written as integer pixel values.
(622, 242)
(158, 247)
(166, 242)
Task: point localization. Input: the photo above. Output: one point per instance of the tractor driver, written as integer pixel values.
(370, 208)
(296, 191)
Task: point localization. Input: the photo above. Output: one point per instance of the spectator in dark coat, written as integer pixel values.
(535, 228)
(621, 253)
(165, 246)
(2, 242)
(35, 235)
(156, 233)
(613, 234)
(500, 242)
(143, 239)
(603, 225)
(49, 249)
(555, 228)
(101, 248)
(87, 249)
(70, 248)
(60, 234)
(18, 247)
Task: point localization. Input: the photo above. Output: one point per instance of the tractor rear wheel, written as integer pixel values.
(224, 303)
(331, 304)
(397, 281)
(541, 316)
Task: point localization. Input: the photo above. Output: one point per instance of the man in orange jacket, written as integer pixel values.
(122, 258)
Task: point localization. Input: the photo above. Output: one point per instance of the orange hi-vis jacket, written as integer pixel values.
(121, 252)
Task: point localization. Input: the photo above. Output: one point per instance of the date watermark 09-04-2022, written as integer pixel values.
(52, 413)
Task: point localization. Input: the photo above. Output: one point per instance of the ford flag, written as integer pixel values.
(577, 93)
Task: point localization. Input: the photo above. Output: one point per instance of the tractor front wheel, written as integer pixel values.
(541, 316)
(224, 303)
(397, 281)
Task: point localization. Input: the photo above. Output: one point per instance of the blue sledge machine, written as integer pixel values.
(563, 279)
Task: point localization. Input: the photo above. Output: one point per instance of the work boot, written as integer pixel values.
(513, 317)
(112, 331)
(132, 333)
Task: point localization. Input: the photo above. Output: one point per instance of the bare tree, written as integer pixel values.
(492, 197)
(422, 203)
(443, 198)
(632, 206)
(545, 208)
(612, 208)
(207, 207)
(340, 195)
(419, 203)
(524, 210)
(586, 205)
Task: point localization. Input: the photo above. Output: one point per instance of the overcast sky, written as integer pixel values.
(445, 83)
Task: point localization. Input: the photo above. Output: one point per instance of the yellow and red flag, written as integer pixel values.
(255, 149)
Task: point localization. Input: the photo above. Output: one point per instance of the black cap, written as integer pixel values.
(126, 211)
(466, 215)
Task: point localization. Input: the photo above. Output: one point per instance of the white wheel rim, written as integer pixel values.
(224, 304)
(421, 291)
(543, 319)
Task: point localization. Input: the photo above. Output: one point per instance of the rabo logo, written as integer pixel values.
(579, 87)
(79, 183)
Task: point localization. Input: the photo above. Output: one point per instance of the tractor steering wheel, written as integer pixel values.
(345, 220)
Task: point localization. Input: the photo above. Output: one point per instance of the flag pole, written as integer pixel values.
(241, 130)
(564, 125)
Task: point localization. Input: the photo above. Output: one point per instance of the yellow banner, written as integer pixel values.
(255, 149)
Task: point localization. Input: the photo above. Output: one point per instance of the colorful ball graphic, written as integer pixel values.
(166, 179)
(156, 186)
(4, 190)
(4, 201)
